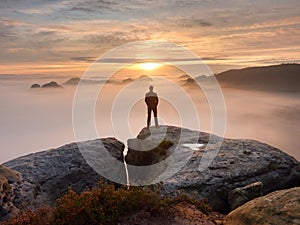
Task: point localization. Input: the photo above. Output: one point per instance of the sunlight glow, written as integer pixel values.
(149, 65)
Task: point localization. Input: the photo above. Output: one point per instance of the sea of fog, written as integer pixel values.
(40, 119)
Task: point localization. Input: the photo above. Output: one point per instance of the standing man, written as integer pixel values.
(151, 100)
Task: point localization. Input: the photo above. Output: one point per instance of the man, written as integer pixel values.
(151, 100)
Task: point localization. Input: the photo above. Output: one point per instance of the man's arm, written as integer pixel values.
(146, 99)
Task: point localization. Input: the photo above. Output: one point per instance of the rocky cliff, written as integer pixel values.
(8, 181)
(238, 163)
(240, 171)
(44, 176)
(279, 207)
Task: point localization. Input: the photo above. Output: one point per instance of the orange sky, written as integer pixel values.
(63, 37)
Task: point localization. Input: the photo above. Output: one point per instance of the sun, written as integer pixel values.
(149, 65)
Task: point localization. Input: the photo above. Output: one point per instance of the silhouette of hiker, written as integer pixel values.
(151, 100)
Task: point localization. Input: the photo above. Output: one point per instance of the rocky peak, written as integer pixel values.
(238, 163)
(240, 166)
(48, 174)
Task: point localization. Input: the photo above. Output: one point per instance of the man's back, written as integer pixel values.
(151, 99)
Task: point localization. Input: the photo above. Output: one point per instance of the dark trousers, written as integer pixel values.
(154, 109)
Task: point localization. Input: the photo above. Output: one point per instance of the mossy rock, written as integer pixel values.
(146, 158)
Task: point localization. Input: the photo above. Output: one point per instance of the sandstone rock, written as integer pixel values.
(48, 174)
(277, 208)
(8, 180)
(143, 154)
(182, 156)
(9, 174)
(144, 158)
(239, 196)
(239, 163)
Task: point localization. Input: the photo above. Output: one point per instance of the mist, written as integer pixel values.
(33, 120)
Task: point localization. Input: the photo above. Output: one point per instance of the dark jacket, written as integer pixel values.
(151, 99)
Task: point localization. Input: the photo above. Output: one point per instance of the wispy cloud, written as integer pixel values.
(89, 59)
(95, 6)
(78, 31)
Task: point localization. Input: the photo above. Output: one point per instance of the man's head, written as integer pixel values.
(151, 88)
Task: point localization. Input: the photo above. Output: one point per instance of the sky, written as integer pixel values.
(64, 37)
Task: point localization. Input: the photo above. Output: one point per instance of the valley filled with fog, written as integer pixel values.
(33, 120)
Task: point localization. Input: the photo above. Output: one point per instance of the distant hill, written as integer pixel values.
(77, 80)
(73, 81)
(285, 77)
(52, 84)
(184, 76)
(145, 78)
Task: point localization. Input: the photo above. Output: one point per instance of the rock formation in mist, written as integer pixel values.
(76, 80)
(184, 77)
(202, 80)
(35, 86)
(127, 80)
(285, 77)
(52, 84)
(144, 78)
(73, 81)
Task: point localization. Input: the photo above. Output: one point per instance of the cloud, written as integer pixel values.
(191, 22)
(91, 59)
(30, 7)
(84, 59)
(41, 31)
(95, 6)
(278, 23)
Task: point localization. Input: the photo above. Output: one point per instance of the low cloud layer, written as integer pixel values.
(35, 120)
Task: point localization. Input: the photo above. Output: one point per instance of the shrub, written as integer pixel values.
(202, 205)
(103, 205)
(41, 216)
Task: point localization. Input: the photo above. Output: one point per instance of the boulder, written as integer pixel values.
(239, 162)
(239, 196)
(143, 154)
(52, 84)
(144, 158)
(278, 208)
(47, 175)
